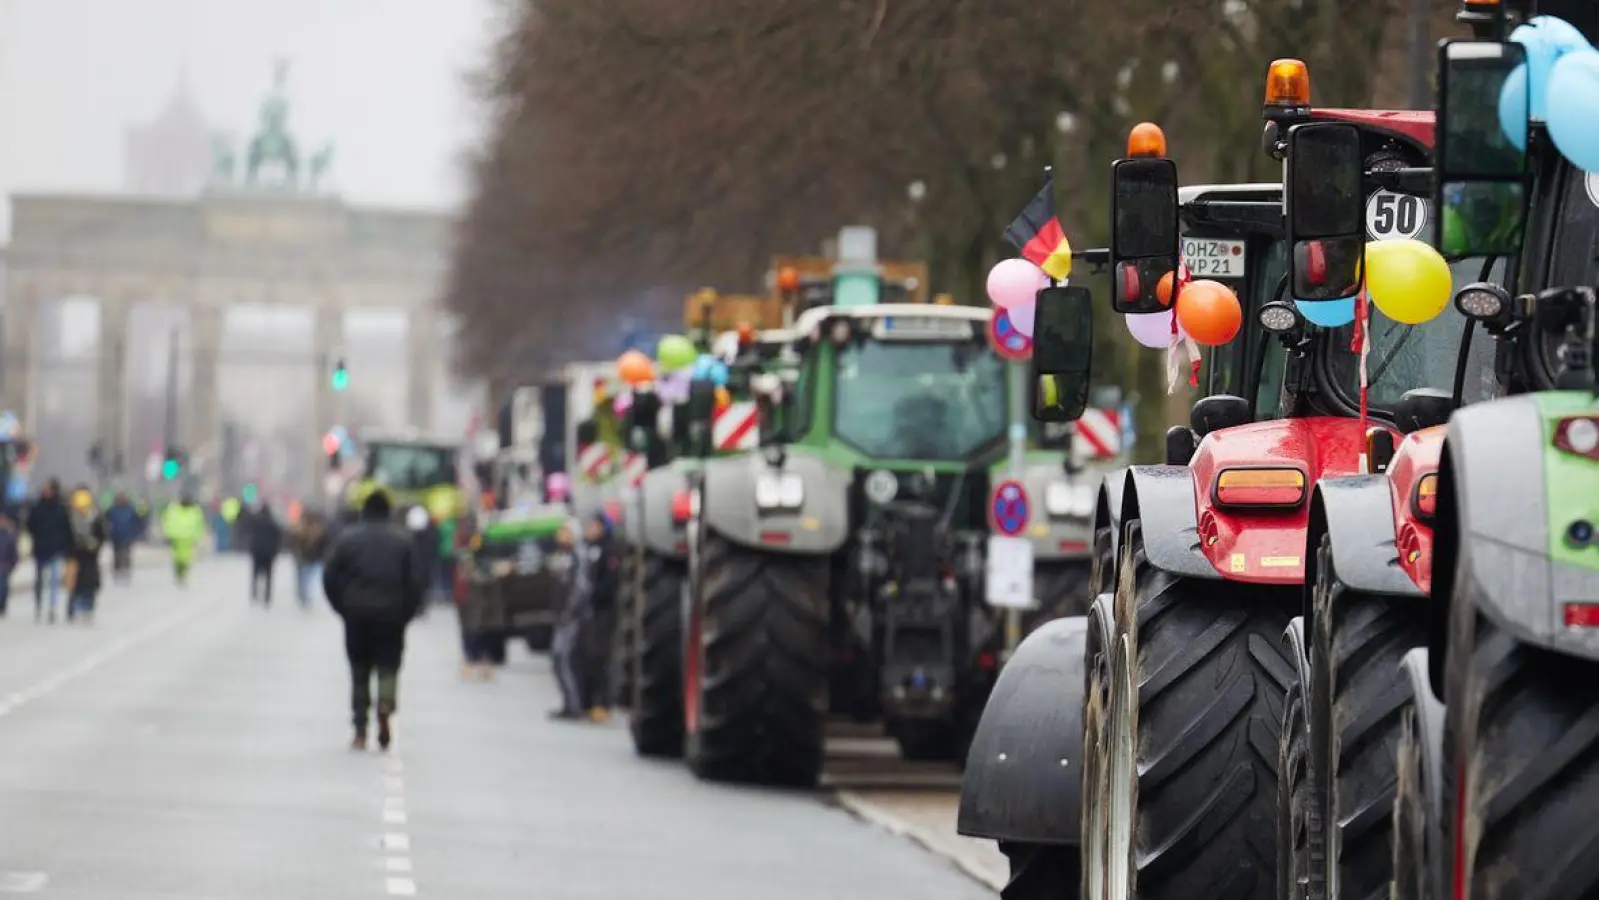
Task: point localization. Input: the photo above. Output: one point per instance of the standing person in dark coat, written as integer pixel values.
(8, 558)
(600, 635)
(124, 526)
(50, 528)
(566, 646)
(266, 542)
(88, 536)
(371, 580)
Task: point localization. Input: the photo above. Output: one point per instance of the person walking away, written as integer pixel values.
(370, 580)
(566, 647)
(266, 542)
(83, 560)
(8, 558)
(122, 526)
(481, 611)
(308, 541)
(600, 635)
(50, 529)
(183, 526)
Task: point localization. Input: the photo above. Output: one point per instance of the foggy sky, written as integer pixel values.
(383, 79)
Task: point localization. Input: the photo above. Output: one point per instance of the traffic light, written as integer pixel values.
(248, 495)
(341, 376)
(172, 464)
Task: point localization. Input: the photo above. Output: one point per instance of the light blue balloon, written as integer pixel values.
(1574, 108)
(719, 374)
(1546, 39)
(703, 366)
(1513, 107)
(1328, 313)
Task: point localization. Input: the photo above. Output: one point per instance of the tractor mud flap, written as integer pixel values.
(1358, 511)
(1023, 779)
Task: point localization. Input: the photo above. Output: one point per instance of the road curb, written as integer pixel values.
(870, 812)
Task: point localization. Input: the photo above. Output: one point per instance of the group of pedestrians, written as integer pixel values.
(68, 536)
(585, 628)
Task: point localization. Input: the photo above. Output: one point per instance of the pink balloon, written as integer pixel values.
(1153, 330)
(622, 403)
(1023, 315)
(1014, 282)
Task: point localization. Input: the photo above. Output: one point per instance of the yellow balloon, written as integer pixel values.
(1408, 280)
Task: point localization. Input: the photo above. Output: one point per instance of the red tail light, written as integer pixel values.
(1579, 435)
(682, 506)
(1273, 487)
(1582, 615)
(778, 538)
(986, 662)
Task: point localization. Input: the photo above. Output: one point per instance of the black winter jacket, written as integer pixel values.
(50, 527)
(371, 574)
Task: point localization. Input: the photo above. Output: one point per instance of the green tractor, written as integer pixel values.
(1496, 768)
(514, 577)
(841, 568)
(414, 470)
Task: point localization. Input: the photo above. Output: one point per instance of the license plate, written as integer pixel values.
(922, 328)
(1214, 258)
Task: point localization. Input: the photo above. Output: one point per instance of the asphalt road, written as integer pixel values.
(189, 747)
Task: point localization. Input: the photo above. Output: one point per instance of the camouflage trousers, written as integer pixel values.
(374, 650)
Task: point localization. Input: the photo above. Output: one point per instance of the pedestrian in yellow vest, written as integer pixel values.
(183, 526)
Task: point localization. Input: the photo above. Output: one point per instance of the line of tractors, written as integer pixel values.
(1342, 643)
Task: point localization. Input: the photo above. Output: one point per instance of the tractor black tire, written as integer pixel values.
(1412, 853)
(1356, 699)
(1210, 675)
(1041, 871)
(1296, 872)
(1061, 589)
(1525, 722)
(625, 646)
(764, 657)
(656, 718)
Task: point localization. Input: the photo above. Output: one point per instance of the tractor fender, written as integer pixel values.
(1357, 512)
(1494, 478)
(1057, 538)
(1108, 519)
(820, 526)
(658, 532)
(1023, 779)
(1162, 499)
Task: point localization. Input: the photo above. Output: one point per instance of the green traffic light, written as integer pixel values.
(169, 469)
(249, 493)
(341, 378)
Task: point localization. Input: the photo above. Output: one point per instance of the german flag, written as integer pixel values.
(1038, 235)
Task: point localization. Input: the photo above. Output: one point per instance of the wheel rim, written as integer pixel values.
(1119, 783)
(692, 654)
(1095, 851)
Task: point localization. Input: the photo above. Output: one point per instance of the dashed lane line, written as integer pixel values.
(396, 844)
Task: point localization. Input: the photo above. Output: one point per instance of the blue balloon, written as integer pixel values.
(1328, 313)
(1574, 108)
(1546, 39)
(703, 366)
(719, 374)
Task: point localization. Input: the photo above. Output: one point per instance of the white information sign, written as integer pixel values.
(1391, 216)
(1214, 257)
(1010, 572)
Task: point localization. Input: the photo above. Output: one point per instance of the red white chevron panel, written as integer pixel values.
(1099, 433)
(737, 427)
(594, 460)
(636, 467)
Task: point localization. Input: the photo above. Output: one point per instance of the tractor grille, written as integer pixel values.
(970, 496)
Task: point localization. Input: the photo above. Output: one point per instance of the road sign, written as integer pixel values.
(1391, 216)
(1099, 433)
(1009, 509)
(1009, 573)
(1006, 340)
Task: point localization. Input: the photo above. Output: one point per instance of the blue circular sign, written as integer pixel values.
(1006, 339)
(1010, 508)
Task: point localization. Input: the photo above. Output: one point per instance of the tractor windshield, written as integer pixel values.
(919, 400)
(1406, 357)
(411, 467)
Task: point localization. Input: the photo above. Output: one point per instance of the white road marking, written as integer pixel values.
(396, 841)
(402, 887)
(94, 661)
(23, 882)
(393, 802)
(395, 785)
(397, 864)
(394, 816)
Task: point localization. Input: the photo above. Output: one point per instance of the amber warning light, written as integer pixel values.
(1146, 140)
(1260, 487)
(1287, 84)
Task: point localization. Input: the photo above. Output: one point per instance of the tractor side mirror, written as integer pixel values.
(701, 404)
(1144, 243)
(1063, 350)
(1422, 408)
(1482, 166)
(1325, 210)
(641, 419)
(1218, 412)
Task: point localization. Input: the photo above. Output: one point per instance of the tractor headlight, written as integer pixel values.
(1069, 501)
(779, 491)
(1482, 301)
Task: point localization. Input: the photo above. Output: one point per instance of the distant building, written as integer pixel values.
(171, 154)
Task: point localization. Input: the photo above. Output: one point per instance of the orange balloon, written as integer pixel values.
(1210, 312)
(724, 398)
(1163, 289)
(635, 368)
(788, 279)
